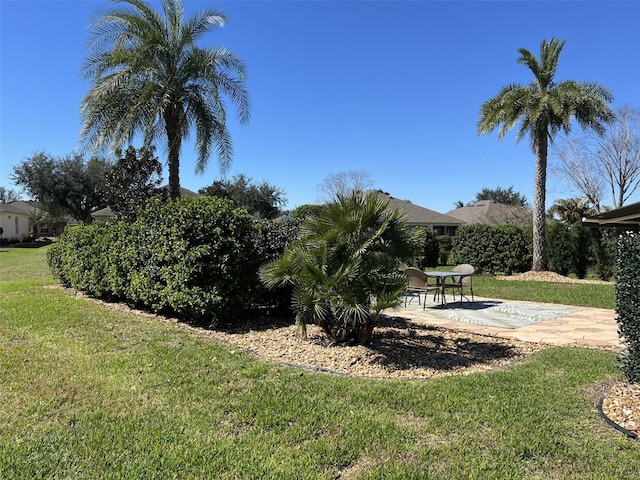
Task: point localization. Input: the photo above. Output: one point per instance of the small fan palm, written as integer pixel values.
(149, 77)
(345, 266)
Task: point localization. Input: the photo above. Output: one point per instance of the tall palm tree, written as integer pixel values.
(149, 77)
(543, 108)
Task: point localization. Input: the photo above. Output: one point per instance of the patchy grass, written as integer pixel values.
(90, 392)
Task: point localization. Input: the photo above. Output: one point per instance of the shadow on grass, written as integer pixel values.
(38, 244)
(405, 345)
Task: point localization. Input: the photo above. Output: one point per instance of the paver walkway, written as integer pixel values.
(592, 327)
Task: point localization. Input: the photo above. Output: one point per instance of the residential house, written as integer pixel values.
(490, 212)
(417, 215)
(15, 221)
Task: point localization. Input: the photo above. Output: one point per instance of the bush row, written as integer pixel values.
(628, 303)
(493, 249)
(193, 258)
(507, 249)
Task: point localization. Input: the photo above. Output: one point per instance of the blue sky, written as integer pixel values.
(390, 87)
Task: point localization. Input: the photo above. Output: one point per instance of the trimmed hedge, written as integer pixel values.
(429, 250)
(271, 239)
(628, 303)
(492, 249)
(193, 258)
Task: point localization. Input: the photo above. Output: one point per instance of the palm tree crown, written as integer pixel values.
(544, 108)
(149, 77)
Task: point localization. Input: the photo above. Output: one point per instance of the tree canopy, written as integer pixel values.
(149, 77)
(132, 181)
(501, 195)
(63, 186)
(261, 200)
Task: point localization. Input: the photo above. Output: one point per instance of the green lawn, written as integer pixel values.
(90, 392)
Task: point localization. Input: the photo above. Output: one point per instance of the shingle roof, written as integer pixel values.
(417, 215)
(489, 212)
(18, 207)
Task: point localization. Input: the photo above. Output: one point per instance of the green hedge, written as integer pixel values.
(193, 258)
(429, 251)
(628, 303)
(271, 238)
(492, 249)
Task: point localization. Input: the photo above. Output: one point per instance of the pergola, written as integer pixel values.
(624, 217)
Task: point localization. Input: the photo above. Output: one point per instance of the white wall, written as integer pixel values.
(15, 226)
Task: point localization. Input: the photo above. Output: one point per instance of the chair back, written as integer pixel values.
(463, 268)
(415, 278)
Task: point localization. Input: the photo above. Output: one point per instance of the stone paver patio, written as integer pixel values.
(591, 327)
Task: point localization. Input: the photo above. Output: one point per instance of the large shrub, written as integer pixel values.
(193, 258)
(444, 248)
(271, 239)
(604, 251)
(492, 249)
(429, 250)
(628, 303)
(80, 260)
(569, 248)
(560, 249)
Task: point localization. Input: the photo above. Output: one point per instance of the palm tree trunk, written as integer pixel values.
(539, 199)
(173, 161)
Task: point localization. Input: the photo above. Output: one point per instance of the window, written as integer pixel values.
(17, 228)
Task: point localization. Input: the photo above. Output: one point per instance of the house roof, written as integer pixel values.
(625, 217)
(18, 208)
(184, 192)
(102, 213)
(417, 215)
(488, 212)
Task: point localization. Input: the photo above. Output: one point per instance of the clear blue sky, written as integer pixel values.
(390, 87)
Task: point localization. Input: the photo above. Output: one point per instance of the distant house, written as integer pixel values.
(489, 212)
(420, 216)
(15, 221)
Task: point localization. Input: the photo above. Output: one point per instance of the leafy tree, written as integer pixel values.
(343, 183)
(572, 210)
(8, 195)
(344, 269)
(149, 77)
(593, 163)
(63, 186)
(302, 211)
(544, 108)
(262, 200)
(502, 195)
(132, 181)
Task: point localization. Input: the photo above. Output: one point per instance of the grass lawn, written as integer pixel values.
(89, 392)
